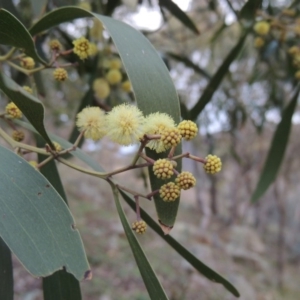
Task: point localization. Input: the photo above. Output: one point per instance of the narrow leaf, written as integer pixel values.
(248, 11)
(36, 224)
(31, 107)
(111, 6)
(151, 83)
(176, 11)
(188, 256)
(276, 151)
(6, 273)
(153, 286)
(217, 78)
(13, 33)
(61, 286)
(9, 5)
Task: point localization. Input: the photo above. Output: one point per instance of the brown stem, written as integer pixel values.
(131, 167)
(172, 151)
(41, 164)
(134, 193)
(149, 196)
(188, 155)
(147, 158)
(137, 208)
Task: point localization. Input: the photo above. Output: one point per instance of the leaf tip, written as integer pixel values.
(88, 275)
(166, 229)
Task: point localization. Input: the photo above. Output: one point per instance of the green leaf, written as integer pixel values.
(13, 33)
(153, 286)
(248, 11)
(60, 285)
(217, 78)
(9, 5)
(189, 64)
(111, 6)
(277, 150)
(175, 10)
(37, 225)
(31, 107)
(38, 6)
(6, 273)
(188, 256)
(151, 83)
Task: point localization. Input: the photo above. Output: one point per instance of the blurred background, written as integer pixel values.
(256, 246)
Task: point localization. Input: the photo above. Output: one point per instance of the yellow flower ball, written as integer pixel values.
(213, 164)
(139, 227)
(81, 47)
(12, 111)
(163, 169)
(60, 74)
(101, 88)
(18, 135)
(57, 146)
(96, 30)
(185, 180)
(169, 192)
(125, 124)
(170, 137)
(27, 89)
(91, 120)
(157, 123)
(27, 63)
(262, 28)
(188, 129)
(114, 76)
(126, 86)
(55, 45)
(115, 63)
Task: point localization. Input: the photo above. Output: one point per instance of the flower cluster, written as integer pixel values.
(213, 164)
(139, 227)
(55, 45)
(283, 27)
(60, 74)
(28, 89)
(12, 111)
(262, 28)
(126, 125)
(27, 63)
(91, 120)
(169, 192)
(112, 79)
(82, 48)
(18, 135)
(163, 169)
